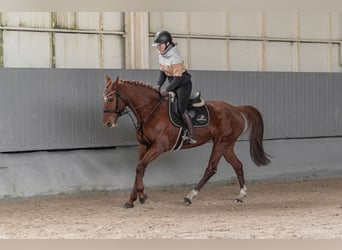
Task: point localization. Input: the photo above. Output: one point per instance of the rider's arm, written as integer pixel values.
(161, 80)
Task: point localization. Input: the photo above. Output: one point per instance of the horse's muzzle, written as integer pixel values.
(109, 124)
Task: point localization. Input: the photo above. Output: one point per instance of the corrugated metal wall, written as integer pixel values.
(62, 108)
(57, 109)
(294, 105)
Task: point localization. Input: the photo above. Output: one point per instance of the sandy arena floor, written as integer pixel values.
(307, 209)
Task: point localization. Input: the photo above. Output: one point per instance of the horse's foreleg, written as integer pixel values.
(215, 157)
(232, 159)
(133, 196)
(146, 156)
(142, 149)
(140, 172)
(138, 188)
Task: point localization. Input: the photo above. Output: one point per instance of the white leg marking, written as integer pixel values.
(243, 192)
(192, 194)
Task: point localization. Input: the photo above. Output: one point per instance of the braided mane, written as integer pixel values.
(138, 83)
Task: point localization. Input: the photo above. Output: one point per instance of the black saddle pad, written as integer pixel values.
(200, 116)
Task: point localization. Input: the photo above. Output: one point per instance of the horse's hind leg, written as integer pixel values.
(232, 159)
(215, 157)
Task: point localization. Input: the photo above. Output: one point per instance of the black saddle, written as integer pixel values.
(197, 110)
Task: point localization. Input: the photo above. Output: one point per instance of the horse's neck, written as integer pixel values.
(141, 104)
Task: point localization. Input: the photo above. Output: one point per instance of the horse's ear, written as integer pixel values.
(117, 79)
(107, 78)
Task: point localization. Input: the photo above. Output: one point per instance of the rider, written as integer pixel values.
(172, 67)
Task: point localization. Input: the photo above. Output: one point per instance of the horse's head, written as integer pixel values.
(140, 97)
(113, 104)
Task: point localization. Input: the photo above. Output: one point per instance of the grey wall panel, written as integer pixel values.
(56, 109)
(294, 105)
(43, 109)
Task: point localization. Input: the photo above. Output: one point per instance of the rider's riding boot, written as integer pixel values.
(187, 121)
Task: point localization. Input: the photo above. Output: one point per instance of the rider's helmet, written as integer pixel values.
(162, 37)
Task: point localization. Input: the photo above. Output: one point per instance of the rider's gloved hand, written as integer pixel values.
(157, 87)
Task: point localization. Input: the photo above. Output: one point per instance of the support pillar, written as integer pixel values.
(137, 45)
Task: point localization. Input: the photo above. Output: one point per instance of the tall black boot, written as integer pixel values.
(187, 121)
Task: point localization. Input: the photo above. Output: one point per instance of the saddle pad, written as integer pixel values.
(200, 116)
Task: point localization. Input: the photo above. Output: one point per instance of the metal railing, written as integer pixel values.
(58, 30)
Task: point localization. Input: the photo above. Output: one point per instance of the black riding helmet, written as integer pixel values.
(162, 37)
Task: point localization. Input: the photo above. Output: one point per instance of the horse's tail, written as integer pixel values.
(256, 134)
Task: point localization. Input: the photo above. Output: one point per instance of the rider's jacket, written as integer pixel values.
(172, 67)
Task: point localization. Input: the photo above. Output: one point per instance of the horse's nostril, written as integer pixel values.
(106, 124)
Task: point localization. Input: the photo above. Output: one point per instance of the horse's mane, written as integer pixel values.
(138, 83)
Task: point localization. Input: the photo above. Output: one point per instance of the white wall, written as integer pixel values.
(236, 41)
(26, 49)
(255, 41)
(62, 39)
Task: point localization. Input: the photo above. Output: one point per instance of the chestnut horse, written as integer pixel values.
(156, 134)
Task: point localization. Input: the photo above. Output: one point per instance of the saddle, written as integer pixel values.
(197, 109)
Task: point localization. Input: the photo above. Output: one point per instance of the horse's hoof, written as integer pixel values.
(187, 201)
(142, 200)
(238, 201)
(127, 205)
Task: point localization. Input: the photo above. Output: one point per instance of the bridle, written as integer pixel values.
(116, 111)
(127, 110)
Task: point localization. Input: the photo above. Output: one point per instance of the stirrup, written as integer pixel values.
(188, 139)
